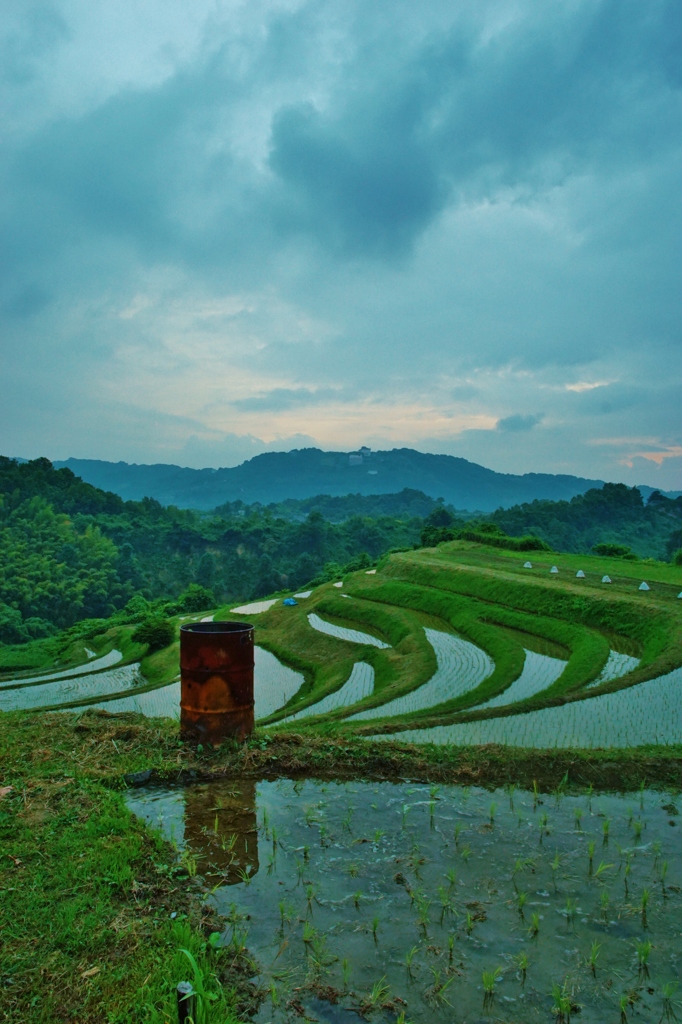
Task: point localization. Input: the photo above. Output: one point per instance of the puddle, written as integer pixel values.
(648, 713)
(404, 894)
(461, 667)
(359, 685)
(354, 636)
(539, 672)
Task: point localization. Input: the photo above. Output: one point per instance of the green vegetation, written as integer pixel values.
(599, 520)
(88, 891)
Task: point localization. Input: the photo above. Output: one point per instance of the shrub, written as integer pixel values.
(196, 598)
(614, 551)
(156, 633)
(677, 557)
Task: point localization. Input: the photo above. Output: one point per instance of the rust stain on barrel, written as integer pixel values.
(216, 688)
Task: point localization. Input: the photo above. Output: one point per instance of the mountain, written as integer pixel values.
(276, 476)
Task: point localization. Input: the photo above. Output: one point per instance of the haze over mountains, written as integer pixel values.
(275, 476)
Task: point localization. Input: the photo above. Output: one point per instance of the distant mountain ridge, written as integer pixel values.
(303, 473)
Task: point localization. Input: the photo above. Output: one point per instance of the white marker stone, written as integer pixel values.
(339, 584)
(527, 565)
(644, 586)
(370, 572)
(554, 569)
(580, 575)
(606, 579)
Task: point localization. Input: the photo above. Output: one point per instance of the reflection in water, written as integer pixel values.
(221, 831)
(407, 893)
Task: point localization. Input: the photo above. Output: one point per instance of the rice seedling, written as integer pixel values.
(644, 902)
(451, 947)
(631, 814)
(593, 957)
(570, 909)
(285, 913)
(357, 898)
(641, 794)
(309, 932)
(663, 871)
(306, 853)
(577, 818)
(436, 994)
(375, 927)
(626, 872)
(466, 853)
(378, 993)
(511, 789)
(432, 812)
(492, 809)
(445, 902)
(451, 876)
(555, 864)
(521, 898)
(423, 906)
(434, 790)
(489, 982)
(458, 829)
(300, 869)
(347, 819)
(643, 951)
(637, 829)
(353, 870)
(534, 925)
(409, 957)
(245, 875)
(404, 811)
(523, 963)
(535, 793)
(378, 836)
(237, 943)
(668, 991)
(602, 869)
(469, 923)
(623, 1004)
(604, 902)
(606, 825)
(590, 855)
(309, 897)
(544, 829)
(656, 850)
(562, 1003)
(274, 994)
(345, 971)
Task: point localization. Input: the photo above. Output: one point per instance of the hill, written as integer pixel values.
(276, 476)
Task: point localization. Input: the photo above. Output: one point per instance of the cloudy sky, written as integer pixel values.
(236, 226)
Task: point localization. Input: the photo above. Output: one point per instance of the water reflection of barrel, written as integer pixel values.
(216, 690)
(221, 830)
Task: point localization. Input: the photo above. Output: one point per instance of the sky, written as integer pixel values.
(453, 225)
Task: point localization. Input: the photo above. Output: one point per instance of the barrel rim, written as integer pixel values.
(217, 627)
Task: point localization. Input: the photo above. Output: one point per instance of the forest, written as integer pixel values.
(70, 551)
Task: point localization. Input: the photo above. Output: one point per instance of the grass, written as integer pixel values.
(88, 891)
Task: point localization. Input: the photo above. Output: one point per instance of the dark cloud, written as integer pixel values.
(518, 422)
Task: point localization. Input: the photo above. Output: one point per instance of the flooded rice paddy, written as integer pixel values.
(461, 667)
(445, 904)
(650, 712)
(360, 684)
(354, 636)
(66, 689)
(539, 672)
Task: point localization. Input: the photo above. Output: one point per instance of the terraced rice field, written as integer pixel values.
(649, 713)
(539, 672)
(359, 685)
(353, 636)
(70, 688)
(461, 667)
(618, 665)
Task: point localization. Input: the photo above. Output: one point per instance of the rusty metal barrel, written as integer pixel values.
(216, 681)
